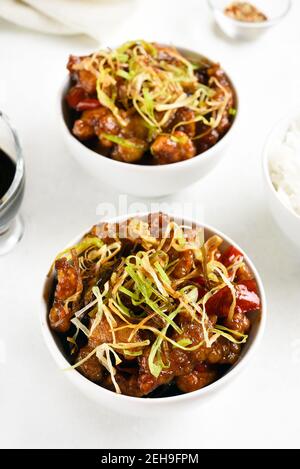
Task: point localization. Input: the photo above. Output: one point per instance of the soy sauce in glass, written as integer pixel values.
(12, 183)
(7, 172)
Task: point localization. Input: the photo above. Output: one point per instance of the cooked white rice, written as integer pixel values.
(284, 166)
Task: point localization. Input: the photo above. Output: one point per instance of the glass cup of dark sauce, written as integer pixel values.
(12, 181)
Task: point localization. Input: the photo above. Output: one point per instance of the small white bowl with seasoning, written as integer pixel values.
(248, 20)
(281, 169)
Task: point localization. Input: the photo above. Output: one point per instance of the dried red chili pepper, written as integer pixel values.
(230, 255)
(247, 299)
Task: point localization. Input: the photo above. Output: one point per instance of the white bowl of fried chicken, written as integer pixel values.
(149, 313)
(146, 118)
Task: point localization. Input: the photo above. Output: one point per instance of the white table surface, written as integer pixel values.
(38, 406)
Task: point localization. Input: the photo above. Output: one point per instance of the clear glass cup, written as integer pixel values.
(11, 186)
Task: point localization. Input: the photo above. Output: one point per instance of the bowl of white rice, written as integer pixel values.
(281, 165)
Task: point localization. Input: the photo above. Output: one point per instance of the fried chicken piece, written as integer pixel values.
(91, 368)
(215, 71)
(105, 122)
(191, 330)
(168, 148)
(214, 77)
(197, 379)
(69, 284)
(135, 127)
(131, 152)
(185, 264)
(239, 323)
(102, 334)
(96, 122)
(86, 79)
(209, 138)
(167, 53)
(178, 363)
(83, 130)
(222, 352)
(73, 61)
(185, 115)
(67, 279)
(59, 317)
(128, 384)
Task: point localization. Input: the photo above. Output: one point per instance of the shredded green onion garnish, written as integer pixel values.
(142, 306)
(184, 342)
(229, 335)
(157, 82)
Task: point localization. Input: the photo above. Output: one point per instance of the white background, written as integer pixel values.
(38, 406)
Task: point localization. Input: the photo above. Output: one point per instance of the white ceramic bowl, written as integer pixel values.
(275, 10)
(160, 406)
(286, 219)
(139, 180)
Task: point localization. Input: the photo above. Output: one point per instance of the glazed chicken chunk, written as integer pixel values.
(147, 103)
(150, 307)
(172, 148)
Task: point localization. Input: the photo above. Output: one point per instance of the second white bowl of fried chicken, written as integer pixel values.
(146, 118)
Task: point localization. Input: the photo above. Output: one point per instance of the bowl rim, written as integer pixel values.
(232, 372)
(248, 25)
(287, 118)
(155, 168)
